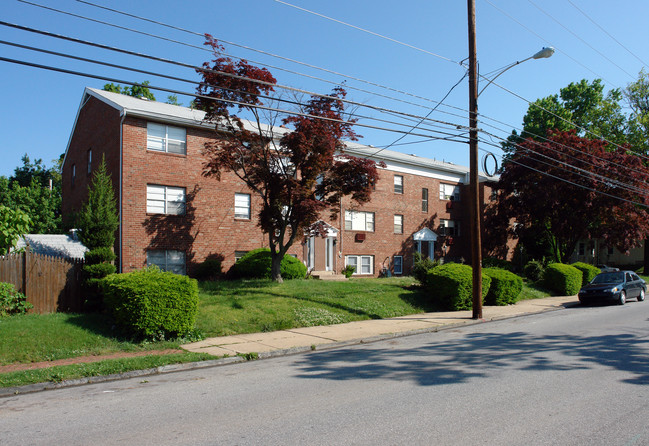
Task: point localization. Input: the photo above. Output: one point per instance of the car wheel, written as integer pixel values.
(622, 299)
(641, 296)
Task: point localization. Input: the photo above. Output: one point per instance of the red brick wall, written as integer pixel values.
(209, 228)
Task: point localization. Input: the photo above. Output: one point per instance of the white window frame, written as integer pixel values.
(242, 206)
(398, 184)
(238, 255)
(449, 191)
(168, 200)
(166, 138)
(398, 224)
(396, 263)
(359, 221)
(167, 260)
(364, 264)
(445, 225)
(424, 199)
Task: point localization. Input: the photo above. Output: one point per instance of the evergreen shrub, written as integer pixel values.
(589, 271)
(151, 303)
(99, 255)
(505, 287)
(12, 301)
(422, 266)
(451, 286)
(256, 264)
(533, 270)
(562, 279)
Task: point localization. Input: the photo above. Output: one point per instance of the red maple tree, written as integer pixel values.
(298, 169)
(568, 188)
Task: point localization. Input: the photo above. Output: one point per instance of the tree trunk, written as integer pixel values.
(276, 267)
(646, 257)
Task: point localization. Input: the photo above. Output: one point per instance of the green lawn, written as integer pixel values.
(225, 308)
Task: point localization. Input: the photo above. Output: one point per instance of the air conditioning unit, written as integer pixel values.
(360, 237)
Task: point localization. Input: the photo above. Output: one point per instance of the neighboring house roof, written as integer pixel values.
(174, 114)
(53, 245)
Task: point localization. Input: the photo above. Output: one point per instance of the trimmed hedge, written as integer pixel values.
(451, 286)
(562, 279)
(505, 287)
(589, 271)
(533, 270)
(151, 303)
(256, 264)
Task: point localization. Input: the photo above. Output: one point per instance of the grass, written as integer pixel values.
(225, 308)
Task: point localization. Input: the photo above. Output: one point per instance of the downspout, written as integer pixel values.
(342, 232)
(121, 163)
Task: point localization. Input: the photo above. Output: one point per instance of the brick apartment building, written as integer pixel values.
(173, 216)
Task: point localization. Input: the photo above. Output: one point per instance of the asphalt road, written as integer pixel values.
(578, 376)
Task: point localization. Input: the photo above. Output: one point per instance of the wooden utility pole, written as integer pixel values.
(474, 185)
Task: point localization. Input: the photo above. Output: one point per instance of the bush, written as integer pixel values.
(12, 301)
(494, 262)
(210, 269)
(562, 279)
(256, 265)
(422, 266)
(151, 303)
(348, 271)
(533, 270)
(589, 271)
(99, 255)
(451, 286)
(505, 287)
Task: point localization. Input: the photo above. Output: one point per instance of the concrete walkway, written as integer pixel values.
(328, 336)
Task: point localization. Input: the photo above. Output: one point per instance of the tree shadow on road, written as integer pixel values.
(479, 355)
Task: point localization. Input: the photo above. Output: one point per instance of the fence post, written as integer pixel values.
(24, 255)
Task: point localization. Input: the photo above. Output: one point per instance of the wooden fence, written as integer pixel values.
(50, 283)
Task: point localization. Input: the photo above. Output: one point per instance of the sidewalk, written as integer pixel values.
(329, 336)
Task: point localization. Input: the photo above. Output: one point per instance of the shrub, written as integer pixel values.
(151, 303)
(451, 285)
(12, 301)
(533, 270)
(210, 269)
(348, 271)
(422, 266)
(505, 287)
(99, 255)
(589, 271)
(562, 279)
(256, 265)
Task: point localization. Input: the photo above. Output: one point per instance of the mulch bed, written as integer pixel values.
(82, 359)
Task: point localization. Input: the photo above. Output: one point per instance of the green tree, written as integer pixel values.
(137, 91)
(13, 224)
(98, 219)
(35, 190)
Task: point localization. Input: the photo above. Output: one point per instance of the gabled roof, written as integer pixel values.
(184, 116)
(53, 245)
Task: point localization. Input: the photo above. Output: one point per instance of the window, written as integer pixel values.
(167, 260)
(359, 221)
(398, 184)
(362, 264)
(238, 255)
(89, 160)
(164, 138)
(424, 200)
(242, 206)
(449, 227)
(449, 192)
(397, 264)
(74, 173)
(165, 200)
(398, 224)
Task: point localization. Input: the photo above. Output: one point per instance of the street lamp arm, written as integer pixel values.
(542, 54)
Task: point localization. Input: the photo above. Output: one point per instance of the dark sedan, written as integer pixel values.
(615, 286)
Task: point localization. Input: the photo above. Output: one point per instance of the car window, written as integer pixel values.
(628, 277)
(635, 276)
(609, 278)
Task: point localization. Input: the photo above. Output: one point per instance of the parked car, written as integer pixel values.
(614, 286)
(607, 269)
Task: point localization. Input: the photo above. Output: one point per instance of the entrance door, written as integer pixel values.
(320, 253)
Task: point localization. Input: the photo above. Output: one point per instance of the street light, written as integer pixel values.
(474, 207)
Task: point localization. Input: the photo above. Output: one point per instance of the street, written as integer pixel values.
(578, 376)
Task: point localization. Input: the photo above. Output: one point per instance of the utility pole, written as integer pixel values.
(474, 185)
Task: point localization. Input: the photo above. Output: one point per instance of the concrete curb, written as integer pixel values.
(172, 368)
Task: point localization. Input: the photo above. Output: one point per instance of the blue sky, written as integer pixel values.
(40, 106)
